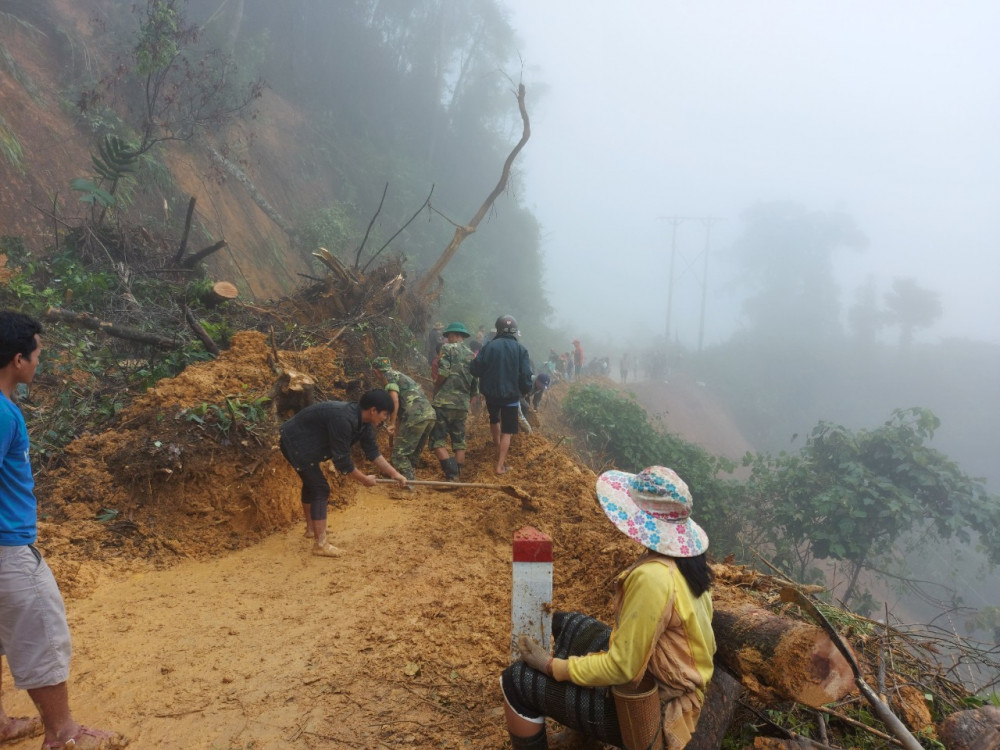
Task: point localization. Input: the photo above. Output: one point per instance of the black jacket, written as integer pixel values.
(503, 369)
(326, 431)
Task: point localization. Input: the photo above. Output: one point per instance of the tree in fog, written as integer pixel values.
(865, 496)
(415, 94)
(784, 258)
(864, 317)
(910, 307)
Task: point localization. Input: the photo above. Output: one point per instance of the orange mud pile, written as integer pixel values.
(200, 619)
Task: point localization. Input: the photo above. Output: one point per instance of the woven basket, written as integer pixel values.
(639, 715)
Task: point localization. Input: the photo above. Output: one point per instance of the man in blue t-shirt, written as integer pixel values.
(30, 602)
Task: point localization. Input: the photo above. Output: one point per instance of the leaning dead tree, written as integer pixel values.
(423, 286)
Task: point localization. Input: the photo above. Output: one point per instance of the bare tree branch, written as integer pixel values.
(416, 213)
(357, 255)
(427, 280)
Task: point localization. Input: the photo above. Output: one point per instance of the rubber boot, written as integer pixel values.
(536, 742)
(450, 468)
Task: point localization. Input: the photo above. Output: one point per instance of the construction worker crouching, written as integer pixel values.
(412, 418)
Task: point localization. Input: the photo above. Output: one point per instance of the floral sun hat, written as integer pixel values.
(652, 507)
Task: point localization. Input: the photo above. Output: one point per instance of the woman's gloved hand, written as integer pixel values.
(533, 654)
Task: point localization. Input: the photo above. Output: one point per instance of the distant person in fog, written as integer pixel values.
(577, 358)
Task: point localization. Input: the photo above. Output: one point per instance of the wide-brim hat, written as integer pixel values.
(652, 507)
(381, 364)
(457, 328)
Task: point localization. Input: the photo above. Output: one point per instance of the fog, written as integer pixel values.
(645, 111)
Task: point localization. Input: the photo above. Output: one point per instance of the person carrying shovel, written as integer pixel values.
(325, 432)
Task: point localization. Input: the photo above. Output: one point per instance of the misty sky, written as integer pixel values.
(888, 111)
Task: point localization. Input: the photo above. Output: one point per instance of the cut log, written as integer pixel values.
(221, 291)
(975, 729)
(780, 655)
(721, 700)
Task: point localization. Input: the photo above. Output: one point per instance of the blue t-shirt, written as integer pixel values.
(18, 508)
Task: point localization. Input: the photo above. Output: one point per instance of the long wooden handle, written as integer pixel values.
(436, 483)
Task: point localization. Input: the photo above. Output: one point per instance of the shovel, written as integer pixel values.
(508, 489)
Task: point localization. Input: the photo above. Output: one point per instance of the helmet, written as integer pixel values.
(506, 324)
(457, 328)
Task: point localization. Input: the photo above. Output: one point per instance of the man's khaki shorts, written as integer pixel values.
(34, 635)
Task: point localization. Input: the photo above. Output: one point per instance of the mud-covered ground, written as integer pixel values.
(201, 620)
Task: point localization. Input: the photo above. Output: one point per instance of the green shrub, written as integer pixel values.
(619, 428)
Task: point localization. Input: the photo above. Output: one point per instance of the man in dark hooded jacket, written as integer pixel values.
(504, 373)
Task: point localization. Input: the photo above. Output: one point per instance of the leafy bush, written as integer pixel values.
(234, 419)
(616, 426)
(853, 496)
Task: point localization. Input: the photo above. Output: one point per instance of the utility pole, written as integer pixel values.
(708, 222)
(674, 223)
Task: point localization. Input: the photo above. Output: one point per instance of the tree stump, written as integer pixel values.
(221, 291)
(292, 392)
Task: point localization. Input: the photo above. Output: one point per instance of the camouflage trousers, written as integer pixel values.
(411, 438)
(450, 424)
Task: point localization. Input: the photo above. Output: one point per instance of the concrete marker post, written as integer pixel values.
(531, 596)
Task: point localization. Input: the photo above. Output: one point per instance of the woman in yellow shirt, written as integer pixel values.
(663, 627)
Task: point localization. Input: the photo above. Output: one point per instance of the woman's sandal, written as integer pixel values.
(87, 738)
(19, 727)
(327, 550)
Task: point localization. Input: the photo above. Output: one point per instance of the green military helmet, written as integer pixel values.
(458, 328)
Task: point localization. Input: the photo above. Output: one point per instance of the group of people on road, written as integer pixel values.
(662, 636)
(500, 372)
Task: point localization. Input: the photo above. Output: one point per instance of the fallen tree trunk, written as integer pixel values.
(85, 320)
(780, 655)
(199, 256)
(721, 700)
(210, 346)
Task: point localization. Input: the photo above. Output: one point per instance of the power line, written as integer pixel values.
(676, 221)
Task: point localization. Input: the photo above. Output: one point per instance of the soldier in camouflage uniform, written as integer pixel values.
(412, 419)
(453, 389)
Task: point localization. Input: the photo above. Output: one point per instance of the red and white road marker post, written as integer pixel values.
(531, 600)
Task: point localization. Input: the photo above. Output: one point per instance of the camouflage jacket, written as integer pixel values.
(413, 404)
(459, 384)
